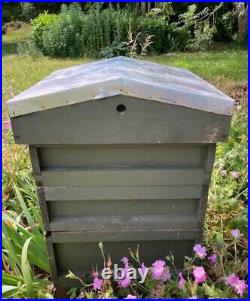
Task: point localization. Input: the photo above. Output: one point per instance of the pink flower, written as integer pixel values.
(235, 233)
(165, 275)
(97, 284)
(125, 282)
(212, 258)
(181, 282)
(130, 297)
(193, 297)
(160, 271)
(231, 279)
(200, 251)
(235, 174)
(238, 285)
(7, 125)
(142, 269)
(223, 172)
(199, 275)
(124, 260)
(158, 268)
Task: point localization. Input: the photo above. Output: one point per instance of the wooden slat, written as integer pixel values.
(122, 207)
(209, 162)
(136, 235)
(121, 177)
(131, 155)
(84, 256)
(121, 192)
(124, 223)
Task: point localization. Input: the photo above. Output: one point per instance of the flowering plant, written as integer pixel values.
(203, 276)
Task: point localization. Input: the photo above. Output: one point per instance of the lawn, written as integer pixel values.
(226, 68)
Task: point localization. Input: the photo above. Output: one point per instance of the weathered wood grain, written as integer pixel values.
(121, 192)
(122, 177)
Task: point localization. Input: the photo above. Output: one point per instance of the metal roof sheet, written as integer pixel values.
(121, 76)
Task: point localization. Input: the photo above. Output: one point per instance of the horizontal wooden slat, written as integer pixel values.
(122, 207)
(84, 256)
(134, 155)
(147, 235)
(124, 223)
(121, 192)
(122, 177)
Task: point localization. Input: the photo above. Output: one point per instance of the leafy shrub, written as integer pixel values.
(40, 24)
(159, 29)
(114, 50)
(62, 38)
(98, 33)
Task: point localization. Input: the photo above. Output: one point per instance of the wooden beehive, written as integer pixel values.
(122, 152)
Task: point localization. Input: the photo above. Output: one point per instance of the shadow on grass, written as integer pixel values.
(10, 48)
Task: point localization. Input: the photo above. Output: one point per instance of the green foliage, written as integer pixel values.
(39, 25)
(157, 28)
(104, 32)
(114, 50)
(63, 37)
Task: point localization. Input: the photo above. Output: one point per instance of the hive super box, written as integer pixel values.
(122, 152)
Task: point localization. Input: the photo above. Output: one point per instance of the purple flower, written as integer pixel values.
(235, 233)
(125, 282)
(130, 297)
(181, 282)
(97, 284)
(199, 275)
(158, 268)
(142, 269)
(7, 125)
(235, 174)
(239, 286)
(231, 279)
(212, 258)
(223, 172)
(124, 260)
(165, 275)
(200, 251)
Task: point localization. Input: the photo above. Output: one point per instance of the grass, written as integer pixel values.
(226, 68)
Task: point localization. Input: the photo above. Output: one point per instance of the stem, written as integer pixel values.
(235, 252)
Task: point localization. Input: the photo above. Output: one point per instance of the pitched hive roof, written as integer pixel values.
(121, 76)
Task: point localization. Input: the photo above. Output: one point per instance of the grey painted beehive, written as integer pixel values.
(122, 152)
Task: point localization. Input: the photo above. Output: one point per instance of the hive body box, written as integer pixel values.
(122, 152)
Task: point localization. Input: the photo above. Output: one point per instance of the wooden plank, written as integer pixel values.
(36, 167)
(43, 208)
(124, 222)
(121, 177)
(88, 255)
(121, 192)
(131, 155)
(118, 236)
(35, 160)
(122, 207)
(52, 260)
(209, 162)
(143, 122)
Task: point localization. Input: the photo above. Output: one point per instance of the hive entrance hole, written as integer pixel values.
(121, 109)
